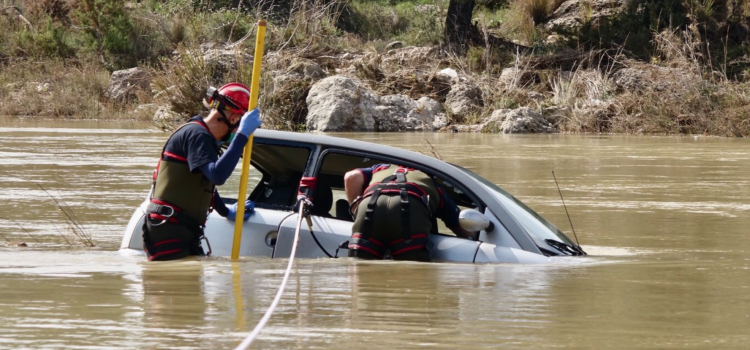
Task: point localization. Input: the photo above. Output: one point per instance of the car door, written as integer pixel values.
(332, 220)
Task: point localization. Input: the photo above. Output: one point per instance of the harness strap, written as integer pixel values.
(369, 244)
(367, 225)
(160, 210)
(393, 184)
(395, 187)
(405, 217)
(414, 242)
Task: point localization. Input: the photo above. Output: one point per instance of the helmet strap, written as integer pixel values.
(226, 121)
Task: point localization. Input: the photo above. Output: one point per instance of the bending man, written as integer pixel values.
(394, 208)
(184, 190)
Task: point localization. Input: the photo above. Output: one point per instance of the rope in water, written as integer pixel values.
(249, 339)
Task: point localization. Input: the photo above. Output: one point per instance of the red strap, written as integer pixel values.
(156, 170)
(361, 247)
(380, 168)
(307, 183)
(164, 253)
(161, 202)
(162, 217)
(415, 247)
(175, 156)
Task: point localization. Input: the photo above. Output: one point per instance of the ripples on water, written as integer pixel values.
(664, 219)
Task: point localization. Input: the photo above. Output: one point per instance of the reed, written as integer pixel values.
(433, 151)
(74, 224)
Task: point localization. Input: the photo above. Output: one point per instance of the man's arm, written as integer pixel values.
(449, 214)
(218, 172)
(354, 183)
(219, 205)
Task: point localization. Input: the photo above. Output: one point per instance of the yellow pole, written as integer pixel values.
(238, 302)
(257, 60)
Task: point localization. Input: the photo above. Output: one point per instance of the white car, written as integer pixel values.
(507, 231)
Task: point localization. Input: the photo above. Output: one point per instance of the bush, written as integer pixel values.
(49, 40)
(107, 26)
(382, 21)
(183, 82)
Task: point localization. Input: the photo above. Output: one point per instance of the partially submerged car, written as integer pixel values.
(506, 230)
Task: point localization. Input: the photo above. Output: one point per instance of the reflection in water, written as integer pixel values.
(173, 294)
(664, 219)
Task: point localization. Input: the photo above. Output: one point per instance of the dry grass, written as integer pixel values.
(692, 99)
(183, 81)
(525, 15)
(54, 89)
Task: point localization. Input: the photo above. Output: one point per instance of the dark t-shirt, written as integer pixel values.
(447, 210)
(195, 143)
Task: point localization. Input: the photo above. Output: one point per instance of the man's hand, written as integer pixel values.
(249, 208)
(249, 122)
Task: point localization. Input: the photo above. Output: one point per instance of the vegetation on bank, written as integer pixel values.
(56, 57)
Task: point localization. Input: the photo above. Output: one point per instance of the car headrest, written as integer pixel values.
(322, 200)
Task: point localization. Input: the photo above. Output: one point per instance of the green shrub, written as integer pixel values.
(379, 20)
(106, 24)
(49, 40)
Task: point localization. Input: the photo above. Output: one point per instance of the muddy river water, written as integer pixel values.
(666, 221)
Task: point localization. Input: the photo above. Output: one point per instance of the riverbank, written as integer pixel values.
(331, 67)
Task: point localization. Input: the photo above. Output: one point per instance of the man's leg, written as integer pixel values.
(366, 243)
(167, 241)
(412, 245)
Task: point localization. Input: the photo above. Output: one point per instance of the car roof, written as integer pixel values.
(405, 156)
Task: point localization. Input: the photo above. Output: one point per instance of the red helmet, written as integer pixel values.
(233, 96)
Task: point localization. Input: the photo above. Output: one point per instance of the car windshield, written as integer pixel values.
(532, 222)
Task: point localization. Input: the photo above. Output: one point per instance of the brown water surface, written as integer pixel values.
(665, 219)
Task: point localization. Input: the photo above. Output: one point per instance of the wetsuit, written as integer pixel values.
(184, 190)
(396, 213)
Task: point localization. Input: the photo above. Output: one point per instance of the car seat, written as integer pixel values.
(322, 200)
(342, 210)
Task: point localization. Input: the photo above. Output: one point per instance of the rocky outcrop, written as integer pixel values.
(124, 83)
(164, 118)
(508, 121)
(307, 69)
(515, 121)
(573, 13)
(411, 56)
(514, 78)
(463, 99)
(338, 103)
(225, 61)
(655, 78)
(300, 72)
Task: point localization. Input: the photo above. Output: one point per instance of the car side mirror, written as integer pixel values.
(472, 220)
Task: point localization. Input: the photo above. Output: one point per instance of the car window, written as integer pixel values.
(331, 179)
(275, 173)
(531, 221)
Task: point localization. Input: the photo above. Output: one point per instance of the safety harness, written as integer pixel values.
(395, 184)
(178, 197)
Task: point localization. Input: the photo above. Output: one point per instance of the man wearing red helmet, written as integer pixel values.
(184, 193)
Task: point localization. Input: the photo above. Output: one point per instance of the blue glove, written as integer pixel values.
(249, 208)
(250, 121)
